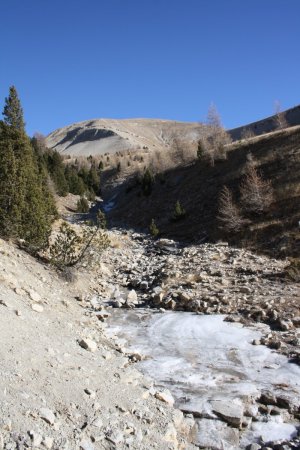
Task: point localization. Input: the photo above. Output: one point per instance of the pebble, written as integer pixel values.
(37, 307)
(166, 397)
(47, 415)
(88, 345)
(34, 296)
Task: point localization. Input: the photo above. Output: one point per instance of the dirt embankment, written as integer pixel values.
(63, 384)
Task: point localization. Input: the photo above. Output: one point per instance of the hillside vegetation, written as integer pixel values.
(197, 187)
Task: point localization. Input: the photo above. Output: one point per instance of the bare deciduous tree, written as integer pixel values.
(256, 193)
(280, 117)
(247, 133)
(229, 213)
(217, 137)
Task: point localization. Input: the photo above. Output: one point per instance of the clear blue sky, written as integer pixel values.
(74, 60)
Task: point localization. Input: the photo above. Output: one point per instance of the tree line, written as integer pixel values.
(30, 175)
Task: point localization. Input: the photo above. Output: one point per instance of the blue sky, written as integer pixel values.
(74, 60)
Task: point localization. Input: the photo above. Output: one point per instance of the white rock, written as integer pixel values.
(48, 442)
(36, 438)
(47, 415)
(37, 308)
(132, 297)
(97, 423)
(171, 434)
(34, 295)
(20, 291)
(86, 445)
(165, 396)
(88, 345)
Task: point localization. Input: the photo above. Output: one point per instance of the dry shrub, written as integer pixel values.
(292, 271)
(256, 193)
(247, 133)
(229, 213)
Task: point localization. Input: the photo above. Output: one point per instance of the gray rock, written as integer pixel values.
(88, 345)
(144, 285)
(36, 438)
(165, 396)
(216, 435)
(86, 445)
(231, 412)
(47, 415)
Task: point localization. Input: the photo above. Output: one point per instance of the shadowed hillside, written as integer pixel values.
(291, 116)
(198, 186)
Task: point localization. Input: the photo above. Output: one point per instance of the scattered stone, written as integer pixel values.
(92, 394)
(88, 345)
(37, 307)
(97, 423)
(165, 396)
(48, 442)
(86, 445)
(232, 411)
(214, 434)
(132, 297)
(36, 438)
(20, 291)
(34, 296)
(47, 415)
(171, 435)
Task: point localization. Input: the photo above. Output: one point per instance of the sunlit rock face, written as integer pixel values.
(214, 372)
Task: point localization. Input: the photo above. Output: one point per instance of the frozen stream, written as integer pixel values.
(203, 360)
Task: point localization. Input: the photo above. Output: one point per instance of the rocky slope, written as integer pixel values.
(99, 136)
(65, 385)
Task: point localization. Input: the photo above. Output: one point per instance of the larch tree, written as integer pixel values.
(229, 213)
(256, 193)
(217, 137)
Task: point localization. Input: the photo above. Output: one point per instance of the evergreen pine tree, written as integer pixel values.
(13, 112)
(26, 204)
(9, 213)
(179, 212)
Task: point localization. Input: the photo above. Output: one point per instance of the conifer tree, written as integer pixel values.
(13, 112)
(9, 213)
(26, 204)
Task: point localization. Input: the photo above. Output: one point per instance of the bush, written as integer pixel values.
(292, 271)
(147, 182)
(83, 205)
(154, 231)
(71, 249)
(229, 213)
(179, 212)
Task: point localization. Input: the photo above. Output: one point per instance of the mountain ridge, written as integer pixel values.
(136, 133)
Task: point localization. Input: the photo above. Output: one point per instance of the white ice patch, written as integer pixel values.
(203, 358)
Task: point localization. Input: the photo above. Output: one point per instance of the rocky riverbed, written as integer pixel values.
(208, 279)
(65, 384)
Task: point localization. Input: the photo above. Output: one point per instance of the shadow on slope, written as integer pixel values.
(197, 188)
